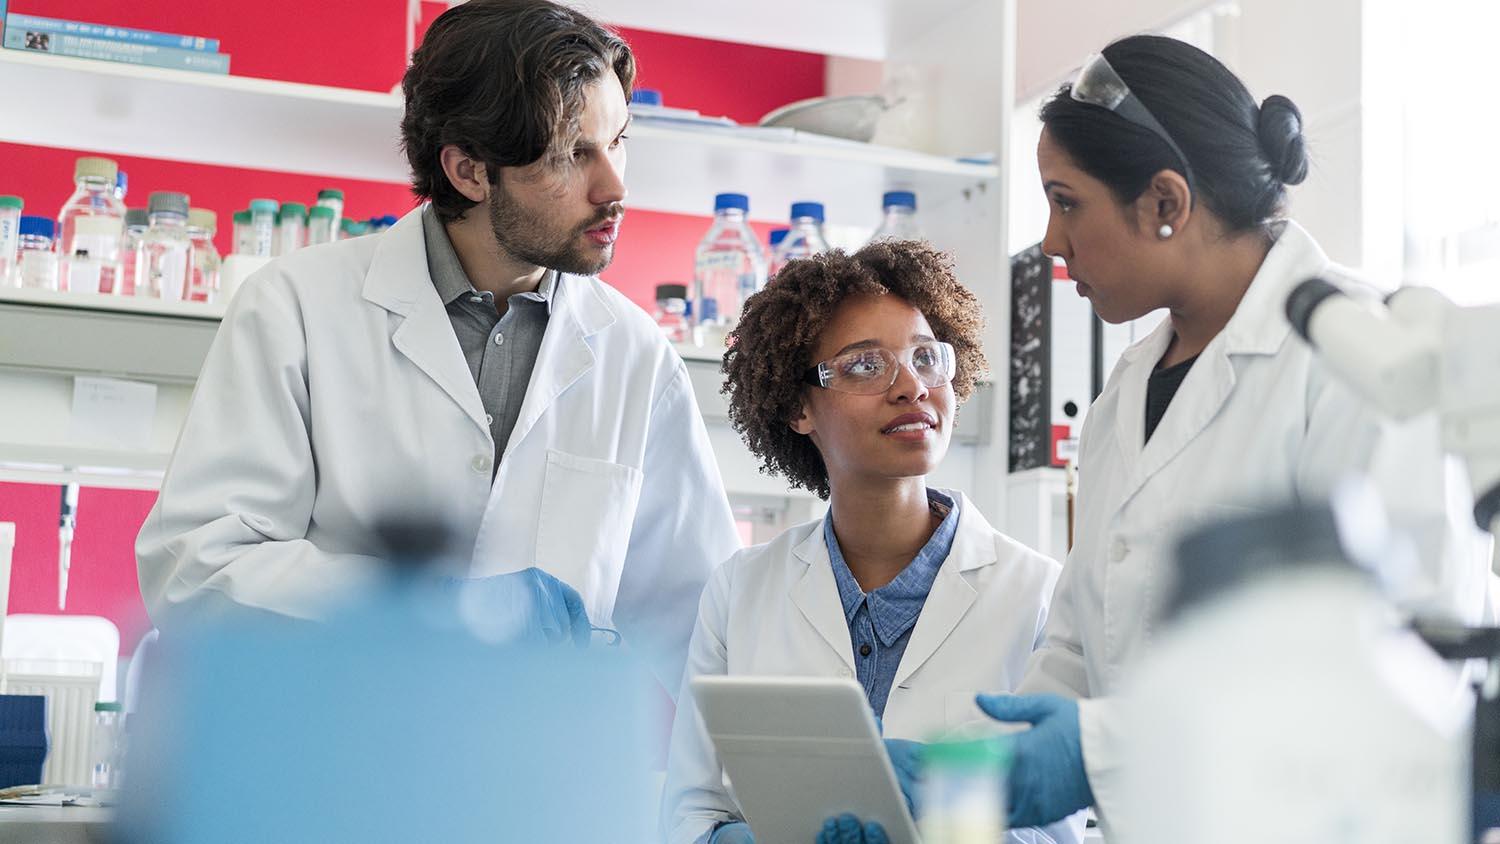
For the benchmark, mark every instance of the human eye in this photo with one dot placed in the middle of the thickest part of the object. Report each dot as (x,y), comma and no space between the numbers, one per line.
(1063,203)
(926,357)
(861,365)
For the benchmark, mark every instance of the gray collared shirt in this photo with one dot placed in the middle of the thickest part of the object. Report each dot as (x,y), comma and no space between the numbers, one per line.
(501,350)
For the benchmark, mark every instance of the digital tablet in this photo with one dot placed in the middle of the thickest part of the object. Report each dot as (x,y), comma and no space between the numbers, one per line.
(800,750)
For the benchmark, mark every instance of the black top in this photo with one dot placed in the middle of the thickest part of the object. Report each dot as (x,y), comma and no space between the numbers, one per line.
(1160,388)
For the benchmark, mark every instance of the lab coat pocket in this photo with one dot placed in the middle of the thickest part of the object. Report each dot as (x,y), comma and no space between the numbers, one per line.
(587,510)
(963,719)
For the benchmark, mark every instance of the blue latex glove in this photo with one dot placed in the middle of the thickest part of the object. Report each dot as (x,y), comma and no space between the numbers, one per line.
(543,608)
(1047,780)
(846,829)
(906,758)
(732,833)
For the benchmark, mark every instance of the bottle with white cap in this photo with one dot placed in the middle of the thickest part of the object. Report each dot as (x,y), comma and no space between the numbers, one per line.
(900,220)
(202,225)
(166,262)
(91,222)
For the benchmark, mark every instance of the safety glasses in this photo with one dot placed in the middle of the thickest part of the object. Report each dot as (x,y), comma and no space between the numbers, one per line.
(868,372)
(1099,85)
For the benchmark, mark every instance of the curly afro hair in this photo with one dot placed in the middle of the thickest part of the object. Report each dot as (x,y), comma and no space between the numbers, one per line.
(772,346)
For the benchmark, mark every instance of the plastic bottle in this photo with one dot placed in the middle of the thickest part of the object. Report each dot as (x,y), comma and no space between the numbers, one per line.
(10,237)
(805,236)
(900,221)
(332,198)
(202,225)
(671,312)
(352,228)
(122,185)
(136,223)
(107,745)
(243,234)
(36,263)
(166,262)
(94,197)
(291,228)
(320,225)
(963,791)
(728,267)
(263,227)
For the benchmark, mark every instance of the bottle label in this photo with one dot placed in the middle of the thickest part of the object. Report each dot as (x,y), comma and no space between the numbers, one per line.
(726,260)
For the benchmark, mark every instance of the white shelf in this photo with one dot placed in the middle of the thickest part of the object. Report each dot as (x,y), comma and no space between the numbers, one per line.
(260,124)
(109,302)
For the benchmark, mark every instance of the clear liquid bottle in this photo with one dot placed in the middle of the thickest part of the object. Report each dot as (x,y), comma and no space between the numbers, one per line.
(900,220)
(803,238)
(166,262)
(94,197)
(291,228)
(263,227)
(36,262)
(202,225)
(671,312)
(10,237)
(136,223)
(332,198)
(107,744)
(729,267)
(322,225)
(963,792)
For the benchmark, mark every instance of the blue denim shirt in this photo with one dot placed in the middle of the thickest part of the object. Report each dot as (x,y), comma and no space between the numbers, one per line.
(880,623)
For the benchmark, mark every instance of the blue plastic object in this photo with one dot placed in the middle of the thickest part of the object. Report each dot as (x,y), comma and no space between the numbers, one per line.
(122,183)
(43,226)
(807,209)
(725,201)
(847,829)
(777,236)
(23,739)
(732,833)
(900,199)
(645,96)
(1047,780)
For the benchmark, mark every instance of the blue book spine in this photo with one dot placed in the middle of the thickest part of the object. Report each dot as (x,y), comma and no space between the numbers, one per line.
(111,33)
(114,51)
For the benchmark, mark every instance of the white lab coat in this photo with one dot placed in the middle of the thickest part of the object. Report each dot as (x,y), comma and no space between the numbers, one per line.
(775,609)
(1257,421)
(336,394)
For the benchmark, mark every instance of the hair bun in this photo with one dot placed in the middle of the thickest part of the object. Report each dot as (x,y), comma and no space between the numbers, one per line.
(1279,129)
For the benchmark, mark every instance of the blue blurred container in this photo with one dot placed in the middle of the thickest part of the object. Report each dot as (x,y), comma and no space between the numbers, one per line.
(23,739)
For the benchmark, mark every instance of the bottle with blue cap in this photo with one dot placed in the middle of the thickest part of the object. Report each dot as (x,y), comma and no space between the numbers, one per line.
(36,262)
(803,238)
(728,268)
(900,221)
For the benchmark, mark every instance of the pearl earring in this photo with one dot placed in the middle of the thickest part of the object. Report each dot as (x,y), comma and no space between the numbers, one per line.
(1164,232)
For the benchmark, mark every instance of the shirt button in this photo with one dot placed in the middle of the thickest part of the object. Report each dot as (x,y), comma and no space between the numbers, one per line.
(476,299)
(488,419)
(1119,550)
(864,650)
(499,339)
(481,462)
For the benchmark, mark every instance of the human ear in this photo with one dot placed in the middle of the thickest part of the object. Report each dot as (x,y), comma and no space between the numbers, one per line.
(1166,204)
(467,176)
(802,423)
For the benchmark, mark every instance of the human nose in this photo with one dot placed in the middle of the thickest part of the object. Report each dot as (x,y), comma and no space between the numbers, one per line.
(907,387)
(1055,243)
(609,181)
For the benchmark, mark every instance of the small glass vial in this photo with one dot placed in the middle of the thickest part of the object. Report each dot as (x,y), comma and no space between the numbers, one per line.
(332,198)
(671,312)
(320,224)
(243,242)
(352,229)
(202,225)
(36,263)
(10,237)
(263,226)
(107,745)
(166,262)
(963,791)
(136,223)
(291,228)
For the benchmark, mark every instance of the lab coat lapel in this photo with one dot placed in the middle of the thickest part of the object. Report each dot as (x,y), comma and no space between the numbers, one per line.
(398,281)
(578,311)
(951,595)
(816,596)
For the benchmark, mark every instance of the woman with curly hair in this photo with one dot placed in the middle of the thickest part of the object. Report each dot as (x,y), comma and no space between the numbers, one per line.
(844,376)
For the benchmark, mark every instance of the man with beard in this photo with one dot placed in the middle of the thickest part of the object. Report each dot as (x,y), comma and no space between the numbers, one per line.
(465,365)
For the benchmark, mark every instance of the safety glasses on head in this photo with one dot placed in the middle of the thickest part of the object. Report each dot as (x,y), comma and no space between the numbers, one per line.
(868,372)
(1099,85)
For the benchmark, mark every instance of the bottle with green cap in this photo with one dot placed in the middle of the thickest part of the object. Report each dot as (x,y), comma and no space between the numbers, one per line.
(94,244)
(202,225)
(332,198)
(963,791)
(167,252)
(10,238)
(291,228)
(320,225)
(263,226)
(107,745)
(243,237)
(136,224)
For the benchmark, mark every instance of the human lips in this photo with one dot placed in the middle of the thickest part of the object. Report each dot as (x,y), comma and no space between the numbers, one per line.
(605,233)
(910,426)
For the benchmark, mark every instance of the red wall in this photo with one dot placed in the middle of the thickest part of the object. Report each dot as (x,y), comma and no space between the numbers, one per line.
(293,40)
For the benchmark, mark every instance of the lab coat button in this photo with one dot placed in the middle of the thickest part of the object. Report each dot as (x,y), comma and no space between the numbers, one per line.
(1119,550)
(481,462)
(488,419)
(499,339)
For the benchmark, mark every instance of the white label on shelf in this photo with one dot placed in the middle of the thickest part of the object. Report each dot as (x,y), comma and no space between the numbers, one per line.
(112,412)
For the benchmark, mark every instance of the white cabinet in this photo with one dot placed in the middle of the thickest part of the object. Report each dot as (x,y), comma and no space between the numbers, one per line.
(962,49)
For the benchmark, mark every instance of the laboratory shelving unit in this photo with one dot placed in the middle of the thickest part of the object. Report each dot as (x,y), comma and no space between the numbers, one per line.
(47,339)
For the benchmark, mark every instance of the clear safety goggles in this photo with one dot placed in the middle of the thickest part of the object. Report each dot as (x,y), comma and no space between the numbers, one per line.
(1098,84)
(868,372)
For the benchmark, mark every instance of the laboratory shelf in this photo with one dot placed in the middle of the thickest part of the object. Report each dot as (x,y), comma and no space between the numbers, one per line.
(234,121)
(109,302)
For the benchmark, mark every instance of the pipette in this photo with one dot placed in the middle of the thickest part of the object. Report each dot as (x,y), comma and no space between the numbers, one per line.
(65,541)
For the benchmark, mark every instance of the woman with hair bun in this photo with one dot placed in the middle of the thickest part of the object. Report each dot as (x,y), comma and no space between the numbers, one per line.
(1167,186)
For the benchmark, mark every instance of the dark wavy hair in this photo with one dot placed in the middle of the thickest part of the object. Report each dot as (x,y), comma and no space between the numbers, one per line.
(1243,155)
(771,347)
(503,81)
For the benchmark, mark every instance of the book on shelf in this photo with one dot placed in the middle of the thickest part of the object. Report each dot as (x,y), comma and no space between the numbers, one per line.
(60,44)
(33,23)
